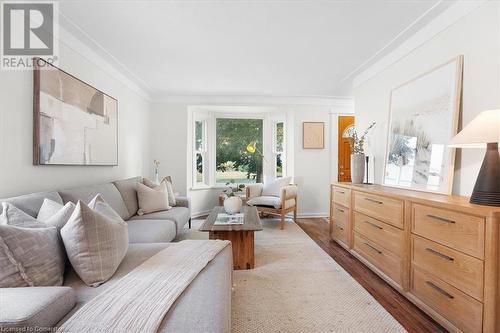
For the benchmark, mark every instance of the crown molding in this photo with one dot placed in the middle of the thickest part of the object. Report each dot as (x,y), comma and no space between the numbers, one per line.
(268,100)
(449,17)
(82,44)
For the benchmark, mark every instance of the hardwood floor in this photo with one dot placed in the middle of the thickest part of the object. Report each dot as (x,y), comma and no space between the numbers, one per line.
(408,315)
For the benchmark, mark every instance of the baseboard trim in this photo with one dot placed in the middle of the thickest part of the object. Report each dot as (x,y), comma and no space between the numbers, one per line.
(198,214)
(301,215)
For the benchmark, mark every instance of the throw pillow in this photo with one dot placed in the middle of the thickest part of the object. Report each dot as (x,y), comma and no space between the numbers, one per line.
(95,243)
(11,215)
(273,188)
(100,205)
(30,256)
(152,199)
(170,189)
(55,214)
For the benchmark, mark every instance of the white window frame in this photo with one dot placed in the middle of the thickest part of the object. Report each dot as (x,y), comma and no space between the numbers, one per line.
(203,152)
(275,148)
(209,117)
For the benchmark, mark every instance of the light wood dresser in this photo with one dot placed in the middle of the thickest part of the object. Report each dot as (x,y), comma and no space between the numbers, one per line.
(439,251)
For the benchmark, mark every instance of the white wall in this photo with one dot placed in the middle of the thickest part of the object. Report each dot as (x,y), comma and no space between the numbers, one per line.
(17,173)
(312,167)
(476,36)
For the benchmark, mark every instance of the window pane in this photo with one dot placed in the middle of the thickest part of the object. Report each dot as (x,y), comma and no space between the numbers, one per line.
(280,136)
(233,160)
(198,135)
(199,168)
(279,165)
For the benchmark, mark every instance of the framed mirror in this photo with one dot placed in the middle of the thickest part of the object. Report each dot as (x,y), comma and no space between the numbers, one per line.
(423,118)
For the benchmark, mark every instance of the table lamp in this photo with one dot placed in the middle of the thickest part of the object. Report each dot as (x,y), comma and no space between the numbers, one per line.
(484,130)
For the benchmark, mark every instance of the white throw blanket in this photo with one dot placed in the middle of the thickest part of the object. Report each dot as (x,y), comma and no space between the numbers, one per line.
(141,299)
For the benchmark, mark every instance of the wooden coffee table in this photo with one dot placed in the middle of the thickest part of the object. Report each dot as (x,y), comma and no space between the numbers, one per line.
(240,235)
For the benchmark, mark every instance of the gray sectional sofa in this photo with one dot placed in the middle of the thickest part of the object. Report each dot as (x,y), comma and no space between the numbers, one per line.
(35,308)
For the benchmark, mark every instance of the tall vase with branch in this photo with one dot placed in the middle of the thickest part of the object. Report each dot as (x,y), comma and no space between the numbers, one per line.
(357,144)
(156,165)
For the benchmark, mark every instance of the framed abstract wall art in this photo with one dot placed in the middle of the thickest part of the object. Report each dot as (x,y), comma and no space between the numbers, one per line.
(74,123)
(423,118)
(313,135)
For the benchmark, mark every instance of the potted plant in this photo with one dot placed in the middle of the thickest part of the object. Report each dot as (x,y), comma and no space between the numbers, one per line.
(233,202)
(357,144)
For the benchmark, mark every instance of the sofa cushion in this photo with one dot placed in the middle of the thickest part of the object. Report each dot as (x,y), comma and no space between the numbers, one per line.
(128,190)
(270,201)
(95,243)
(31,203)
(34,309)
(197,297)
(180,215)
(30,257)
(108,191)
(273,187)
(151,231)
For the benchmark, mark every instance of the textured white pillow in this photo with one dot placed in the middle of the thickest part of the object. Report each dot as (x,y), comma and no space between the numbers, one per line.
(12,215)
(273,188)
(95,243)
(100,205)
(55,214)
(152,199)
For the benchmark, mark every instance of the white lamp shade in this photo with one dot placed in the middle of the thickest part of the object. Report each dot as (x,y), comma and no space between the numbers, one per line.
(483,129)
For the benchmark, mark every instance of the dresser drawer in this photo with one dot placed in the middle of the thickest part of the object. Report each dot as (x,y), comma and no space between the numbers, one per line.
(460,270)
(384,260)
(459,231)
(389,237)
(339,232)
(340,214)
(461,310)
(341,196)
(379,207)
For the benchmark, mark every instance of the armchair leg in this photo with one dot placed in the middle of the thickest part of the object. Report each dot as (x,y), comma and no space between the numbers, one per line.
(282,222)
(189,222)
(295,214)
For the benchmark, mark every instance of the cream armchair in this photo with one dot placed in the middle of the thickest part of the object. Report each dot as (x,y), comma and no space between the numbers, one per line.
(275,198)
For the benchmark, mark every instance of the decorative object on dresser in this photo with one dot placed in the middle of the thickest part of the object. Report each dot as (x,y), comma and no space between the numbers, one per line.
(313,135)
(424,116)
(240,235)
(73,122)
(484,130)
(358,155)
(439,251)
(275,197)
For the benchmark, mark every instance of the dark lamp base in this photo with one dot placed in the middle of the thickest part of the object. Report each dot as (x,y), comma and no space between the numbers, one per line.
(487,189)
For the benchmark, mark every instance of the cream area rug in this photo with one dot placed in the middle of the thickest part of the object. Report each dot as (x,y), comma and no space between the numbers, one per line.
(297,287)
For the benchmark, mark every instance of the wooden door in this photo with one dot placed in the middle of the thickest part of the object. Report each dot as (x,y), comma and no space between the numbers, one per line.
(344,160)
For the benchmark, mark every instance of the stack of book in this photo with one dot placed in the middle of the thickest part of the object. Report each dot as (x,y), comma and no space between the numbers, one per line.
(226,219)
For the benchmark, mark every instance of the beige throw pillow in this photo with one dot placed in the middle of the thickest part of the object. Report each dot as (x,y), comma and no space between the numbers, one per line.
(95,242)
(170,190)
(55,214)
(152,199)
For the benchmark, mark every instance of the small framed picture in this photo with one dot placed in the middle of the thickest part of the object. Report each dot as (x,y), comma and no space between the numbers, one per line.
(313,135)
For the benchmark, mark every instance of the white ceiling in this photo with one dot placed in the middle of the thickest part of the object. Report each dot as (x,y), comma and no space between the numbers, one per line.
(275,48)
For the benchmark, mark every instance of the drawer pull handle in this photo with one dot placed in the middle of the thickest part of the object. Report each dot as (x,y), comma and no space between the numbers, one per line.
(375,201)
(433,286)
(341,192)
(442,219)
(439,254)
(374,225)
(374,249)
(340,227)
(340,210)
